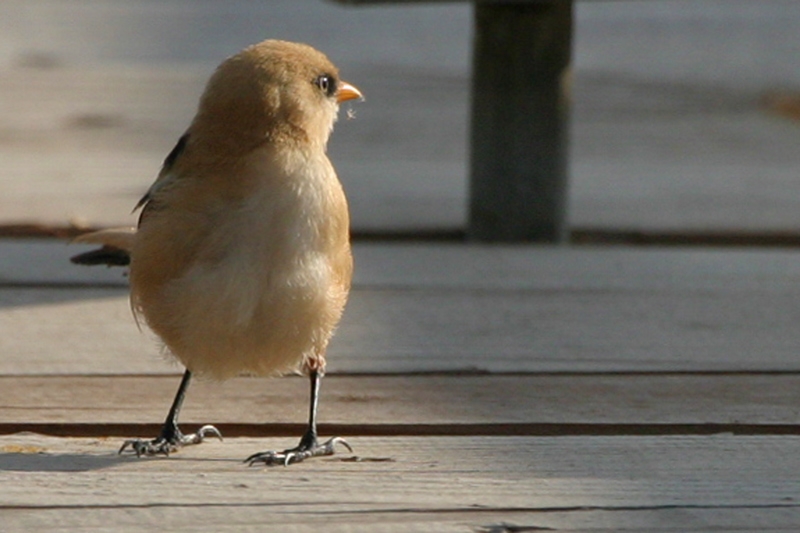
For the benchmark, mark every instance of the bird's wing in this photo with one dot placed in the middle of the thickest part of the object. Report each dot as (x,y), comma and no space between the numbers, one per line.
(116,243)
(165,177)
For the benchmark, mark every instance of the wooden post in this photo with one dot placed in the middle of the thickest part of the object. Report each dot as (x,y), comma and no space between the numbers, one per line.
(518,181)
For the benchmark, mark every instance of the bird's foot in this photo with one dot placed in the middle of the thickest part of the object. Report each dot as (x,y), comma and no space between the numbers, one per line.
(169,441)
(306,449)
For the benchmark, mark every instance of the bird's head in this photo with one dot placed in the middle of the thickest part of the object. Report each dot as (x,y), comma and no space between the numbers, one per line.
(274,92)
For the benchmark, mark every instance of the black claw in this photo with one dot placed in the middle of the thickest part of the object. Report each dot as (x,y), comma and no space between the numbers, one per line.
(302,452)
(198,436)
(169,441)
(148,447)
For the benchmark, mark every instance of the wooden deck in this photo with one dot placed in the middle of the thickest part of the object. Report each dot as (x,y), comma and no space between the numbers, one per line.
(483,389)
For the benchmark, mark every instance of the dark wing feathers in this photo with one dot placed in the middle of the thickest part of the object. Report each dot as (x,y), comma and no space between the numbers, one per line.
(169,162)
(114,256)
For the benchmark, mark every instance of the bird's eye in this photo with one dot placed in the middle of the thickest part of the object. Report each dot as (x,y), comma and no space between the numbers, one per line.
(326,84)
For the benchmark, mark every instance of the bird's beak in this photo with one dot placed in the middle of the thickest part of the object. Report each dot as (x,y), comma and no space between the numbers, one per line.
(347,92)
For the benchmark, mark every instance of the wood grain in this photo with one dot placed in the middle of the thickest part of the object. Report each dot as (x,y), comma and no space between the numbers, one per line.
(454,308)
(629,360)
(458,484)
(79,331)
(397,401)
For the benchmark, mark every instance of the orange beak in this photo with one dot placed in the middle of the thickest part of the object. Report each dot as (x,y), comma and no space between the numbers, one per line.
(347,92)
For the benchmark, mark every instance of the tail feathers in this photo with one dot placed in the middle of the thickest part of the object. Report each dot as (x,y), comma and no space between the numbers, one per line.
(115,250)
(107,255)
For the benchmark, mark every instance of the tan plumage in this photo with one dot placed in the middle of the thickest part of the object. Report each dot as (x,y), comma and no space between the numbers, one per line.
(241,261)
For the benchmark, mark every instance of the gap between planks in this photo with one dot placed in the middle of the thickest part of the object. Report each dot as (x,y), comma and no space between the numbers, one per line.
(413,430)
(414,405)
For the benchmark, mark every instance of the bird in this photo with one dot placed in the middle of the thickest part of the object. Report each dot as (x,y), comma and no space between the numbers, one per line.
(241,260)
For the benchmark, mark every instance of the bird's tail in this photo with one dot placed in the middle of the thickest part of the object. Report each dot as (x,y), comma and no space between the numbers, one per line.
(116,244)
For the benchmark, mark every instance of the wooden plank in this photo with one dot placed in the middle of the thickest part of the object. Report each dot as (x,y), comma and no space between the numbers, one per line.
(518,141)
(80,331)
(44,263)
(102,130)
(554,268)
(460,484)
(380,520)
(397,402)
(453,308)
(363,2)
(367,2)
(81,144)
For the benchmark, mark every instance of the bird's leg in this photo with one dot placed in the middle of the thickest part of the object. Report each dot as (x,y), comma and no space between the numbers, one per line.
(171,437)
(309,446)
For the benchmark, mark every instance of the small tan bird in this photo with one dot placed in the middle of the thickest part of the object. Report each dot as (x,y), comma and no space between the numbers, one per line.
(241,260)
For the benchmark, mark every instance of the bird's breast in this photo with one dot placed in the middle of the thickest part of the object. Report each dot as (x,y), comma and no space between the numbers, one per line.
(266,273)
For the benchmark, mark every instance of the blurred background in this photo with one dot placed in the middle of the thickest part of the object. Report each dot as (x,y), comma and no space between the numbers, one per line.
(686,114)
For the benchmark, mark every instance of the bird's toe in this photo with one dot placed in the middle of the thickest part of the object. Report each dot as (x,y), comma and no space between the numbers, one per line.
(200,435)
(298,454)
(169,441)
(148,447)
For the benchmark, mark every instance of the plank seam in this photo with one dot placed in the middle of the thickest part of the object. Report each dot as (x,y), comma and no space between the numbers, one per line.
(417,430)
(412,510)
